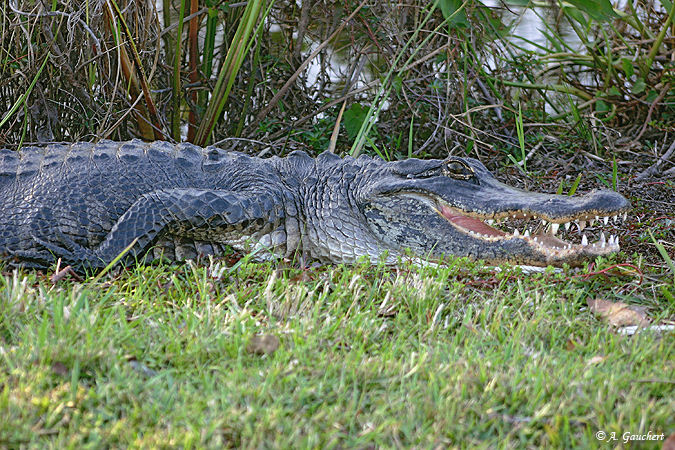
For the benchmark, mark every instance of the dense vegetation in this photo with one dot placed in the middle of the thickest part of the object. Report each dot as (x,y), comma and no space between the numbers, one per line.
(457,78)
(351,356)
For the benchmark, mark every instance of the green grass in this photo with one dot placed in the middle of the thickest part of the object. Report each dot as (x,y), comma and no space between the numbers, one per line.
(457,355)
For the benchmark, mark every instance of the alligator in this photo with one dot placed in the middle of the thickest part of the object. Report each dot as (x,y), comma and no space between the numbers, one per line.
(88,203)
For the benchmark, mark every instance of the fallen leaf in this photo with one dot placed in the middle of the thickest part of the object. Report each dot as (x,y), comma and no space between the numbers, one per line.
(59,368)
(631,330)
(669,443)
(469,326)
(618,314)
(572,343)
(263,344)
(142,368)
(304,276)
(596,360)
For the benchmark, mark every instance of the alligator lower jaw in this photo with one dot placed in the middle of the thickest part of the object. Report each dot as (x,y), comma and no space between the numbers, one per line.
(540,234)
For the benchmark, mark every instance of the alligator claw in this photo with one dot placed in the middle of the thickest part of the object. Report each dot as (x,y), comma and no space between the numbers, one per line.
(30,258)
(69,251)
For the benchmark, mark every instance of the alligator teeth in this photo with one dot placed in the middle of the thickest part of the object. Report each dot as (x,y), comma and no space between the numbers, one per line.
(584,240)
(615,218)
(603,240)
(567,226)
(625,216)
(605,220)
(516,232)
(490,222)
(543,223)
(527,233)
(581,225)
(554,228)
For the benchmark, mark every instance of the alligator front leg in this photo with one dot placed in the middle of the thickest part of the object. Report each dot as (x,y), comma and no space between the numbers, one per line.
(218,216)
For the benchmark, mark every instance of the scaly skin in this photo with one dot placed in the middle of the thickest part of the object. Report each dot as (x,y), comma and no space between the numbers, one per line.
(85,203)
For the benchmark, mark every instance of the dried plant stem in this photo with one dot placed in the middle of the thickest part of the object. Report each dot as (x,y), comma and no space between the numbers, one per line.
(193,41)
(273,103)
(176,99)
(134,79)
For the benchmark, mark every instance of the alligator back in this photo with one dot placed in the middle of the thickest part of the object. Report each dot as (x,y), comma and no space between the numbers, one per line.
(81,190)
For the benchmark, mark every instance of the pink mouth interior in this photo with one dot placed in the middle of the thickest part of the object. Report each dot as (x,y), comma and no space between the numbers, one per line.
(541,235)
(478,226)
(469,223)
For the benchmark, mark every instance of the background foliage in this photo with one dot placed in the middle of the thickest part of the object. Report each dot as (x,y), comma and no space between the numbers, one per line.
(279,72)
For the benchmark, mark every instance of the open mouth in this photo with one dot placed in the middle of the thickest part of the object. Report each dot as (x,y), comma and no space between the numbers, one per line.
(586,232)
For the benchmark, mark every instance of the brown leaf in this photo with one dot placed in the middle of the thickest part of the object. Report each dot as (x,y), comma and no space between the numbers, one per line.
(469,326)
(669,443)
(58,368)
(618,314)
(142,368)
(572,343)
(596,360)
(263,344)
(303,277)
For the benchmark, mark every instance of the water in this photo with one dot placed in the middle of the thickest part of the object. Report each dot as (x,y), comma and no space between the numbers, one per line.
(530,24)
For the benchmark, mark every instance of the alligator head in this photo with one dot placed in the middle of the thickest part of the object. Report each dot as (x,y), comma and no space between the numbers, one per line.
(455,206)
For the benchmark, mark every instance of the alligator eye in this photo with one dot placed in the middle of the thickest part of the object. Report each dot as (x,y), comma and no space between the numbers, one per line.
(458,169)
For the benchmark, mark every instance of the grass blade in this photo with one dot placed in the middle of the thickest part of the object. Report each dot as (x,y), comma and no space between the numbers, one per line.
(410,136)
(236,54)
(664,254)
(25,95)
(336,129)
(114,261)
(521,138)
(659,40)
(575,185)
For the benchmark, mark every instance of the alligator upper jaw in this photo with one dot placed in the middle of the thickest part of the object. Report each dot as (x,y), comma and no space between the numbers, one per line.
(539,232)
